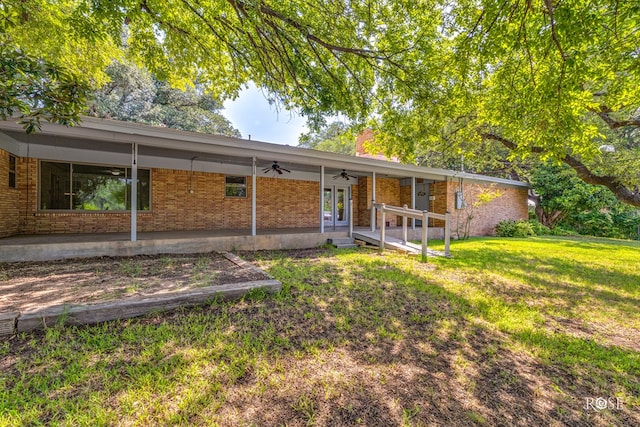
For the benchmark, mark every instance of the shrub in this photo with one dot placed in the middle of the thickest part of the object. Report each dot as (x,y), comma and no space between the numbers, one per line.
(511,228)
(540,229)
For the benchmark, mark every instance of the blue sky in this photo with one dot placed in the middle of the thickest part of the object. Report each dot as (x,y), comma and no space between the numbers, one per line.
(252,115)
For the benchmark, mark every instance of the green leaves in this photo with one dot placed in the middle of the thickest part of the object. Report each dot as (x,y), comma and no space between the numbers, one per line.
(135,95)
(36,90)
(550,78)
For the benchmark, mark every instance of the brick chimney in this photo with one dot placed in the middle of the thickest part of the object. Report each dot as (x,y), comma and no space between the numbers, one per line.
(365,136)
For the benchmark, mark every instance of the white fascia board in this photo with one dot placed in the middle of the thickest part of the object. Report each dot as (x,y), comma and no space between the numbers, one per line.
(9,144)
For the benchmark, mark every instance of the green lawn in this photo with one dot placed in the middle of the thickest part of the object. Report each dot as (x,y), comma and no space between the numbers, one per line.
(507,332)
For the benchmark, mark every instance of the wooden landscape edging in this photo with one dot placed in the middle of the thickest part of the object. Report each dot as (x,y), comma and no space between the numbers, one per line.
(79,314)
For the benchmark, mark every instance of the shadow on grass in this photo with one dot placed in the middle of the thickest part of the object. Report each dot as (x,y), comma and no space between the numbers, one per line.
(352,339)
(554,273)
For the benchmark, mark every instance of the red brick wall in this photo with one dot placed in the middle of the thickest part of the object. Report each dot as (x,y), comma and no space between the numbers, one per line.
(363,137)
(9,197)
(387,191)
(439,203)
(363,201)
(405,199)
(355,193)
(511,204)
(281,203)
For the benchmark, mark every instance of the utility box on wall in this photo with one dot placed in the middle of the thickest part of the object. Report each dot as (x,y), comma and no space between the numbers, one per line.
(459,200)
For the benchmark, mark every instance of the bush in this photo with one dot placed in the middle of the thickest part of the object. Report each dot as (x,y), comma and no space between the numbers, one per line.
(540,229)
(511,228)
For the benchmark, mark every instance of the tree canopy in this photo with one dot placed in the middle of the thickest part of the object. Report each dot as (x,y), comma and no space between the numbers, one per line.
(133,94)
(554,79)
(334,137)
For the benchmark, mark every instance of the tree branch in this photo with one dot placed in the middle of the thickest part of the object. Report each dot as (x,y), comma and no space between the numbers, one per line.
(604,113)
(554,34)
(624,194)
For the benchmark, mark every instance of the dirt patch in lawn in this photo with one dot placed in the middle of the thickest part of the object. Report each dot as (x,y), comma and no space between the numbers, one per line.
(31,285)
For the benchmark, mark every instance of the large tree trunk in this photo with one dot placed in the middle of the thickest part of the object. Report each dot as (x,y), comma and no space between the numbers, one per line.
(548,219)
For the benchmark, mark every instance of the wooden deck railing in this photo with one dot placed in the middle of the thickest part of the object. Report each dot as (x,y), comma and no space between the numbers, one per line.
(406,213)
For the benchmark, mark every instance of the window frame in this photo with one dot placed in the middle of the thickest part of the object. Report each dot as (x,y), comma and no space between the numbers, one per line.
(71,186)
(12,179)
(243,187)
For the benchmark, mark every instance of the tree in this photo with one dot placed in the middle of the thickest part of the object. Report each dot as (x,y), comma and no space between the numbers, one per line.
(559,193)
(563,199)
(335,137)
(133,94)
(558,79)
(37,90)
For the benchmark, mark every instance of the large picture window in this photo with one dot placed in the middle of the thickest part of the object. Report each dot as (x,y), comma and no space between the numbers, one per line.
(235,186)
(71,186)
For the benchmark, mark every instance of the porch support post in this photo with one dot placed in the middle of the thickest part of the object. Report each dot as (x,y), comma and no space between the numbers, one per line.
(382,228)
(134,192)
(321,198)
(373,201)
(413,200)
(351,215)
(253,196)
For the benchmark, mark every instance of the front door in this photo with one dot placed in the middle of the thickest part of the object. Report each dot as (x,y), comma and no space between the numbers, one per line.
(336,205)
(422,198)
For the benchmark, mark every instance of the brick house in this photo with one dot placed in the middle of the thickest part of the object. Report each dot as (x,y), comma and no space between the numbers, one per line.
(78,180)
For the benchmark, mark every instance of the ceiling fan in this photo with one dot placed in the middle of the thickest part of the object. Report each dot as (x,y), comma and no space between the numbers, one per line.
(344,175)
(276,169)
(113,171)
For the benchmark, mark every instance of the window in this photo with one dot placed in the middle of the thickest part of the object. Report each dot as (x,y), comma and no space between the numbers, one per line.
(71,186)
(235,186)
(12,171)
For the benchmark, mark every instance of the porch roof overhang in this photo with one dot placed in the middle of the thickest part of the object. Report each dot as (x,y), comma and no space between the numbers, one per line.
(167,142)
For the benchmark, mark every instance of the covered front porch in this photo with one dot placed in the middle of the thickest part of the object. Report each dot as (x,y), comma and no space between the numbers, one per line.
(72,181)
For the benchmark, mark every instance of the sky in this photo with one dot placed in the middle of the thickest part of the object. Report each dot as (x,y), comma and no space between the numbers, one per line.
(251,114)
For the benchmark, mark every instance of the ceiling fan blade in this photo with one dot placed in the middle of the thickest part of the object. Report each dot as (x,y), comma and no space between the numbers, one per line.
(286,170)
(279,171)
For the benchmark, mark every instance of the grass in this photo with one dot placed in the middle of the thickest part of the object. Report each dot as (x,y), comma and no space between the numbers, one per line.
(515,331)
